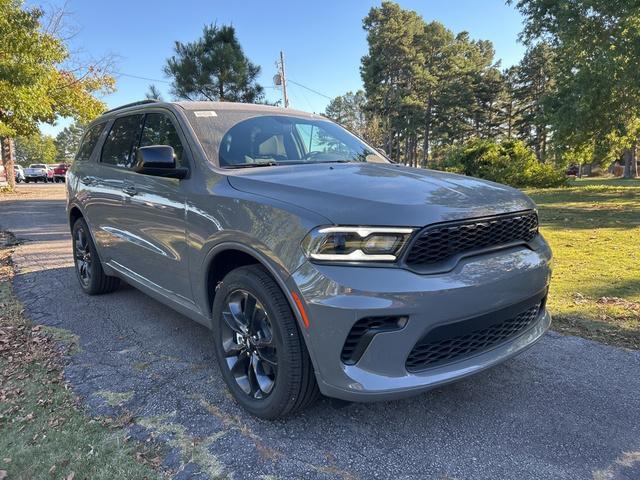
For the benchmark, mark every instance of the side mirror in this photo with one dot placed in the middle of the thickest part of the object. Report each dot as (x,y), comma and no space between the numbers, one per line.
(159,161)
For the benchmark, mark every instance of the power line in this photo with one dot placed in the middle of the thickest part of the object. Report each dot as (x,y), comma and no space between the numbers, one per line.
(310,89)
(141,78)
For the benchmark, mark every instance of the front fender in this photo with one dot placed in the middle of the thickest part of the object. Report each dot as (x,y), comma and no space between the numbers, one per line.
(270,262)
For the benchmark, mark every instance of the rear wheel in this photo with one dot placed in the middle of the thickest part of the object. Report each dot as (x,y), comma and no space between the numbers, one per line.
(89,270)
(259,347)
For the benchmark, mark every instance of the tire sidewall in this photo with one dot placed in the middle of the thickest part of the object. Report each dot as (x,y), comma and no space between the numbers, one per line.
(89,287)
(270,406)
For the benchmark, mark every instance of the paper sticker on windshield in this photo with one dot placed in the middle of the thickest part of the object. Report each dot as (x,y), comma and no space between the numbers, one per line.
(205,113)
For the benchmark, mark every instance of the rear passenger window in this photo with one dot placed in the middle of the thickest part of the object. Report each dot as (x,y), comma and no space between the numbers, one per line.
(122,138)
(159,130)
(89,141)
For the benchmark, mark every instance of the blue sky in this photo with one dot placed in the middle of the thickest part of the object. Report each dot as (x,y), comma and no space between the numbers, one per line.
(323,41)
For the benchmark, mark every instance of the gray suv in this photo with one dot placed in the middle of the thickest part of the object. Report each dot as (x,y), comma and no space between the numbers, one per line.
(318,264)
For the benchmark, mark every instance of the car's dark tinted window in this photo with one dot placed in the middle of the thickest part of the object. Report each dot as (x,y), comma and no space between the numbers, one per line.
(123,136)
(89,141)
(159,130)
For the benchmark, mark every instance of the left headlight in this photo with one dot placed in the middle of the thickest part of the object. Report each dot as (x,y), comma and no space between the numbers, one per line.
(356,244)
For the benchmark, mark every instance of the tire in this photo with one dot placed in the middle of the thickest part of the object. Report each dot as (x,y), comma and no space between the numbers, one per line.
(26,180)
(294,385)
(91,276)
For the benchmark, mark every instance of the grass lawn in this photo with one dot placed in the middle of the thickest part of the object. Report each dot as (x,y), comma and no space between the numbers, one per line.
(43,433)
(593,228)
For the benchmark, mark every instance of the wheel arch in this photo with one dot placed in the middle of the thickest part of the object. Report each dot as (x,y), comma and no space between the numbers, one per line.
(74,214)
(230,251)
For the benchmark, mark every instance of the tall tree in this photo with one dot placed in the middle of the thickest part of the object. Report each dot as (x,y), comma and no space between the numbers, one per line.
(68,142)
(214,67)
(534,87)
(391,72)
(438,50)
(153,93)
(35,148)
(428,86)
(349,111)
(468,104)
(37,81)
(597,43)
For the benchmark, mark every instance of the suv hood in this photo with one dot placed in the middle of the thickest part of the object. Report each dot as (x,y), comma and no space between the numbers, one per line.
(380,194)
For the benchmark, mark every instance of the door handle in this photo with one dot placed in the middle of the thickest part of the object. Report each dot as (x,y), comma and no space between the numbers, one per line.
(88,180)
(130,190)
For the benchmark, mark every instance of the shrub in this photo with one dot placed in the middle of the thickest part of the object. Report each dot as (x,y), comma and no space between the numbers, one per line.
(509,162)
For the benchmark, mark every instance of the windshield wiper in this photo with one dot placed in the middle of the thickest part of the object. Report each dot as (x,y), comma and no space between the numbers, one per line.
(252,165)
(336,161)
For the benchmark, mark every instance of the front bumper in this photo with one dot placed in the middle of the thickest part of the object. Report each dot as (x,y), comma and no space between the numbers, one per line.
(338,296)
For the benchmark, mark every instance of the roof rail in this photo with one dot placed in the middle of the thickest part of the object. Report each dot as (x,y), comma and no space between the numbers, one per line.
(133,104)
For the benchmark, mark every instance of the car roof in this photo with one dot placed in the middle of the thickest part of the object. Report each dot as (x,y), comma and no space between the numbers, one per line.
(242,107)
(215,106)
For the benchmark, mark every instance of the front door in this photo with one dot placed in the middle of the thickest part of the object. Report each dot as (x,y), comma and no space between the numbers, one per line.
(154,217)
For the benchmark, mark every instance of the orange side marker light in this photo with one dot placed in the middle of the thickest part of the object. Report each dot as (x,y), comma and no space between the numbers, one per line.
(301,309)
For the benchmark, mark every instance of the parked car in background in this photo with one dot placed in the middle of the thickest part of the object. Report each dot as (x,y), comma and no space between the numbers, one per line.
(318,264)
(19,173)
(572,170)
(37,172)
(3,176)
(60,172)
(50,174)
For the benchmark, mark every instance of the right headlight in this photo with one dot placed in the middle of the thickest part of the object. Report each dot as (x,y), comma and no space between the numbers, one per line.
(356,244)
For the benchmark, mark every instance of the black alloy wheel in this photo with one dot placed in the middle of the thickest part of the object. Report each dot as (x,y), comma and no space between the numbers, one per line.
(248,343)
(260,349)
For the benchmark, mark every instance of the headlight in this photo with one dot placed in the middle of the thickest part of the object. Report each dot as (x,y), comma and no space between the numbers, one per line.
(356,244)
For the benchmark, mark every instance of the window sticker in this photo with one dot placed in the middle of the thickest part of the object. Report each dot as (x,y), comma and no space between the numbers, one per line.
(205,113)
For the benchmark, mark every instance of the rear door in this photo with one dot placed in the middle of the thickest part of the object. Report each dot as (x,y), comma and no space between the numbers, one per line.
(154,215)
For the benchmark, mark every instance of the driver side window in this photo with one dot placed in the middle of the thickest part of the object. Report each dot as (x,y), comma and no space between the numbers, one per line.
(159,130)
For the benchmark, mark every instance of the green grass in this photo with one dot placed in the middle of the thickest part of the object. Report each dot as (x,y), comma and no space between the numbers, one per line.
(43,432)
(593,227)
(44,435)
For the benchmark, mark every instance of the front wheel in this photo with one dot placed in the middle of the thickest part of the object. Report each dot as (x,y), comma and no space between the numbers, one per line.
(259,347)
(89,270)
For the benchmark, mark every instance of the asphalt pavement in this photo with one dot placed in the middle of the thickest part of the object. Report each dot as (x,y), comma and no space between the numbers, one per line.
(568,408)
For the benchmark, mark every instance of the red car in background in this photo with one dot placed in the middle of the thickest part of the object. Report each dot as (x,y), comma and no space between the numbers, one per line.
(60,172)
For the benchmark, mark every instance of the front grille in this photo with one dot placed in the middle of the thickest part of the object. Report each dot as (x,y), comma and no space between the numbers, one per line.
(363,332)
(437,243)
(452,342)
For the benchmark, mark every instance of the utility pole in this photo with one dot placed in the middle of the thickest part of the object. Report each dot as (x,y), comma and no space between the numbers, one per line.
(283,79)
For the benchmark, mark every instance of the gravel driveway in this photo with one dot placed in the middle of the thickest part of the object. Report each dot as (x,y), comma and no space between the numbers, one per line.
(567,408)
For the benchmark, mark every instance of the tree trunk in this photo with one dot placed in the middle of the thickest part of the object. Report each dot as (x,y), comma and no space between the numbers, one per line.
(631,161)
(509,120)
(427,133)
(8,159)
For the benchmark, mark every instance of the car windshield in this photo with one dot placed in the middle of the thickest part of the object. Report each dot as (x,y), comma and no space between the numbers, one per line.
(253,141)
(37,165)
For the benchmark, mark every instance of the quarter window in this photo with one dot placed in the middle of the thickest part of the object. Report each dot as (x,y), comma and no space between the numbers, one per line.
(159,130)
(119,146)
(89,141)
